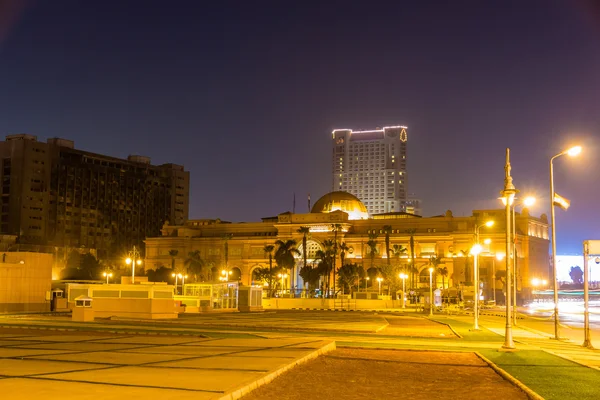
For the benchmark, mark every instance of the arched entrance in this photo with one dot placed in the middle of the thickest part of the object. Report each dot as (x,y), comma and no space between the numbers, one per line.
(236,274)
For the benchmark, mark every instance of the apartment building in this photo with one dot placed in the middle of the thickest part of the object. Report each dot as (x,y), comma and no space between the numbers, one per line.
(56,195)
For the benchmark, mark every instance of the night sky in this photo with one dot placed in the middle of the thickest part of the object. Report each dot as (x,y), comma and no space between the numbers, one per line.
(245,94)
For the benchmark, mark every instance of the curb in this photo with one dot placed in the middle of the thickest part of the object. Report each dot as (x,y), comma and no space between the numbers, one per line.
(530,393)
(123,331)
(238,393)
(458,335)
(342,310)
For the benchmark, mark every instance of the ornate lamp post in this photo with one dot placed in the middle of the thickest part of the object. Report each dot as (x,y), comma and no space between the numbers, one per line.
(107,275)
(431,291)
(133,260)
(508,195)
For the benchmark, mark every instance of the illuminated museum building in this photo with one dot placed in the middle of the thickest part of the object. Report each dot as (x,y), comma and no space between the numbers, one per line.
(445,235)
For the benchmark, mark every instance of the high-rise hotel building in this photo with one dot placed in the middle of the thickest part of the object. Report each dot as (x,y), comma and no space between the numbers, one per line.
(371,165)
(55,195)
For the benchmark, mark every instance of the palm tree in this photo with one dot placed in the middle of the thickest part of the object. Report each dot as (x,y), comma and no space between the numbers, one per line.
(325,258)
(305,231)
(195,264)
(343,249)
(387,229)
(335,228)
(465,254)
(372,243)
(285,256)
(310,276)
(398,250)
(226,237)
(269,250)
(412,232)
(434,261)
(173,253)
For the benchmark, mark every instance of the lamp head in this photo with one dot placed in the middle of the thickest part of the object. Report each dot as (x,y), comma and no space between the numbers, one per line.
(430,270)
(489,223)
(128,261)
(139,262)
(487,241)
(173,275)
(535,282)
(104,274)
(499,256)
(574,151)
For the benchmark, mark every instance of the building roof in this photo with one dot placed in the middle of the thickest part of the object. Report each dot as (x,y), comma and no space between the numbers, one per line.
(342,201)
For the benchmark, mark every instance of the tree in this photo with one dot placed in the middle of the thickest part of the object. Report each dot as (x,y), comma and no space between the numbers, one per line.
(343,249)
(284,256)
(325,258)
(398,250)
(434,261)
(576,275)
(269,250)
(412,232)
(335,228)
(226,237)
(310,276)
(162,274)
(305,231)
(443,271)
(89,266)
(348,276)
(372,244)
(173,253)
(195,265)
(465,254)
(387,229)
(263,274)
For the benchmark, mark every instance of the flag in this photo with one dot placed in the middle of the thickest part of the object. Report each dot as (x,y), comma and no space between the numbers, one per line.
(309,202)
(561,201)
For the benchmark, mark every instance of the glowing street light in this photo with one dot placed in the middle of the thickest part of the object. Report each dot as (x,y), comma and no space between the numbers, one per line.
(366,281)
(431,291)
(475,251)
(573,151)
(133,259)
(379,279)
(403,276)
(107,275)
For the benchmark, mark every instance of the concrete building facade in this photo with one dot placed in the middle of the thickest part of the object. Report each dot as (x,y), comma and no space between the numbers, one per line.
(371,165)
(444,236)
(56,195)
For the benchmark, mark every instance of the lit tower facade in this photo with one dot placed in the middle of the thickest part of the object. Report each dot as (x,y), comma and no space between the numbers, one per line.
(371,165)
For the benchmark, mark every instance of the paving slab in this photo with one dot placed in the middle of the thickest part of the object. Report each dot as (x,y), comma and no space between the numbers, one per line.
(12,352)
(109,357)
(79,346)
(57,390)
(254,342)
(190,350)
(162,340)
(281,353)
(190,379)
(234,363)
(12,367)
(62,338)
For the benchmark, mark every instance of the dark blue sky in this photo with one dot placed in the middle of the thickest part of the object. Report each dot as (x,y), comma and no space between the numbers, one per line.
(245,94)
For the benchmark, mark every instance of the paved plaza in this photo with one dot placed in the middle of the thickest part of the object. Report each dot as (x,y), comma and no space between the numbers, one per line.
(89,366)
(215,356)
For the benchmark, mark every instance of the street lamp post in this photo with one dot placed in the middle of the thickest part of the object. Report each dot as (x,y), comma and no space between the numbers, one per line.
(508,195)
(527,202)
(366,281)
(133,259)
(379,279)
(107,275)
(476,250)
(182,277)
(403,276)
(573,151)
(431,291)
(176,286)
(282,277)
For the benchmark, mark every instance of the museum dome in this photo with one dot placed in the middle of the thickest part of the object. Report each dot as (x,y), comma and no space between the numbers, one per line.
(342,201)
